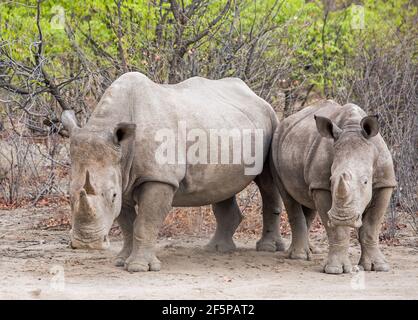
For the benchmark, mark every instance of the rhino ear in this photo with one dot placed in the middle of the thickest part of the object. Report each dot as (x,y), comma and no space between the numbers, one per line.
(327,128)
(369,126)
(124,131)
(69,121)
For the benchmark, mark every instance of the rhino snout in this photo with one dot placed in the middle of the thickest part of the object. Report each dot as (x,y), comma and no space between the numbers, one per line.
(335,220)
(100,244)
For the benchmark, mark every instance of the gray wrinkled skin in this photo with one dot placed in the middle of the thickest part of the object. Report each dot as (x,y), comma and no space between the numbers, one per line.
(115,174)
(331,159)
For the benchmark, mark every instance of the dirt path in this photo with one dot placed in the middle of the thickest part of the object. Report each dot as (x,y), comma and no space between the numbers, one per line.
(37,264)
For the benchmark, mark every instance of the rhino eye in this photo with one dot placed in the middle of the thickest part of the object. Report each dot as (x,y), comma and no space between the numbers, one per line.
(364,180)
(114,197)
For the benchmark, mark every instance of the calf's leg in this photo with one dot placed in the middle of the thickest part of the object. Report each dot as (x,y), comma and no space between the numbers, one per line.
(372,258)
(310,215)
(338,237)
(299,248)
(271,239)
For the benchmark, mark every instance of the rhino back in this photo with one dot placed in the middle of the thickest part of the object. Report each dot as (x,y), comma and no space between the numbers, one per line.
(303,158)
(196,103)
(295,143)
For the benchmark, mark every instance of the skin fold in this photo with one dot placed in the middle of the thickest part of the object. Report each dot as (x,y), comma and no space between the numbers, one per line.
(115,174)
(331,159)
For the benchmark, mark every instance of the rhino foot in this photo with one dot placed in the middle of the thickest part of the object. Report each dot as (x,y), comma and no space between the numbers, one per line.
(299,253)
(121,257)
(373,260)
(142,263)
(337,264)
(270,245)
(220,245)
(119,261)
(375,266)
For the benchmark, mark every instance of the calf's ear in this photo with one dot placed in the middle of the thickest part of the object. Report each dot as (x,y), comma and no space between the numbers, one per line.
(327,128)
(369,126)
(69,121)
(124,131)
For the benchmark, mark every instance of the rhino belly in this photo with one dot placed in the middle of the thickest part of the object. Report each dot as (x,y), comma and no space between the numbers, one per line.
(208,184)
(299,191)
(291,172)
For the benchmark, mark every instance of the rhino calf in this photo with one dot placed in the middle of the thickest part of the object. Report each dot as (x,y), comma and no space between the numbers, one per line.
(116,173)
(331,159)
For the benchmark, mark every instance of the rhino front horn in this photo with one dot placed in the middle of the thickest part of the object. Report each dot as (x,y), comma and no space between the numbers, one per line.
(88,186)
(85,207)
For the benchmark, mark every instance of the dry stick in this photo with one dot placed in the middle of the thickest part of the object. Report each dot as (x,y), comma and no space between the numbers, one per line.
(249,199)
(53,89)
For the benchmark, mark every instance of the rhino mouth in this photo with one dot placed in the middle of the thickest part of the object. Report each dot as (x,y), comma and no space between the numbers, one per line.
(352,220)
(98,244)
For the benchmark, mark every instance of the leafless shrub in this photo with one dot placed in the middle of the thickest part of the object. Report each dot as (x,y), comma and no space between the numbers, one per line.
(182,40)
(31,163)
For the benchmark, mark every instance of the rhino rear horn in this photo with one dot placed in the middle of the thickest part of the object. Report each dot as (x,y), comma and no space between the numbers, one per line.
(88,186)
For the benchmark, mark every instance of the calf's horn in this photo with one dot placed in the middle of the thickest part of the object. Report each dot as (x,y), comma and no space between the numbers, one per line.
(342,189)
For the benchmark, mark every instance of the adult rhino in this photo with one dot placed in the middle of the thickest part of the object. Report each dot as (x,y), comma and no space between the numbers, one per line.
(331,159)
(116,174)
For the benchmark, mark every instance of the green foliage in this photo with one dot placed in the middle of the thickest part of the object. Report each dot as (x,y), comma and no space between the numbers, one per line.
(321,43)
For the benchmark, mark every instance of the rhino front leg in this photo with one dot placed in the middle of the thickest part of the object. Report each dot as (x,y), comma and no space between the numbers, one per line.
(228,217)
(372,258)
(153,201)
(338,237)
(271,239)
(126,221)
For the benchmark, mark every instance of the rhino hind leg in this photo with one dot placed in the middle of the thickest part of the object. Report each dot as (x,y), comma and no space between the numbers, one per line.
(271,239)
(299,247)
(372,258)
(125,220)
(310,215)
(228,217)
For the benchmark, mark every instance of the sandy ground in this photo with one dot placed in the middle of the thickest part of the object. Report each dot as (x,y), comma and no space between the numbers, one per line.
(37,264)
